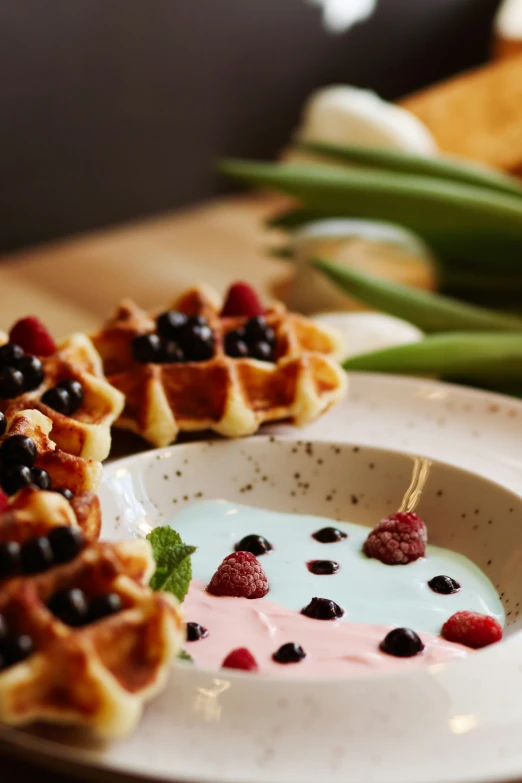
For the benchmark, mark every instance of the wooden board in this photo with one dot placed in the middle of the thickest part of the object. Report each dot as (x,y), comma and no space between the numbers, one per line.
(76,283)
(478,114)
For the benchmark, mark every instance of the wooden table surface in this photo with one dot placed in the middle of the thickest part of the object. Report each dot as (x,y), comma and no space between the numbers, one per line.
(74,284)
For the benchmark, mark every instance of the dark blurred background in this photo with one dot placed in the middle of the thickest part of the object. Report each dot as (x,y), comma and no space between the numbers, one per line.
(115,109)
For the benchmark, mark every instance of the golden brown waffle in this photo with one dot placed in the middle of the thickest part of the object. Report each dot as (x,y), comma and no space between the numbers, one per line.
(232,396)
(85,433)
(32,513)
(97,675)
(66,470)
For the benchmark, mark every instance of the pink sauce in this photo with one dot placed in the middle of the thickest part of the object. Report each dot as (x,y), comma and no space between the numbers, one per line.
(334,648)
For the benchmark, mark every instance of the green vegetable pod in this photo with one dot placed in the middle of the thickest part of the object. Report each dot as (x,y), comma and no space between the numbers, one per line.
(429,311)
(481,357)
(437,166)
(477,226)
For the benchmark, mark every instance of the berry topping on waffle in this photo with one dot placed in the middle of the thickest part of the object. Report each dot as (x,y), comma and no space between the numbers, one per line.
(96,642)
(195,367)
(64,381)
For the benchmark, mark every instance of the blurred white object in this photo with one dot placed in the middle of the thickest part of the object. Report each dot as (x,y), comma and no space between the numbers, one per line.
(339,15)
(348,115)
(383,249)
(366,332)
(508,26)
(509,19)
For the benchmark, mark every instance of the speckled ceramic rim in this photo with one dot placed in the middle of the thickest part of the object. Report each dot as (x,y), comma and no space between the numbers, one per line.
(454,699)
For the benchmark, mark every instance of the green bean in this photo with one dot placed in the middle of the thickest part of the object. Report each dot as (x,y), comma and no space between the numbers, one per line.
(478,356)
(477,226)
(430,312)
(440,167)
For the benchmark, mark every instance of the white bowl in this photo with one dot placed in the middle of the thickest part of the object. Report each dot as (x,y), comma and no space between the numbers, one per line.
(445,723)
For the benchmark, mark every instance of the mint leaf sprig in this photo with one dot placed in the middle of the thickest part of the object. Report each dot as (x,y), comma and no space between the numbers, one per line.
(173,565)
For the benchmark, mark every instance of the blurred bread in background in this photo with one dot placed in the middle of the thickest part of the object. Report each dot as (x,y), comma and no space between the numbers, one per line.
(477,114)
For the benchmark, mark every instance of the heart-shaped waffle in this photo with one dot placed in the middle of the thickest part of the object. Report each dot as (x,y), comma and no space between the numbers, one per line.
(33,512)
(66,470)
(232,396)
(98,674)
(86,432)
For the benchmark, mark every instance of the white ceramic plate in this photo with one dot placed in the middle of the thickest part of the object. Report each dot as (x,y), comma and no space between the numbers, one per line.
(448,724)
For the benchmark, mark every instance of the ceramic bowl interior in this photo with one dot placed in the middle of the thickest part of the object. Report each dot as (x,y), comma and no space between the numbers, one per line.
(463,511)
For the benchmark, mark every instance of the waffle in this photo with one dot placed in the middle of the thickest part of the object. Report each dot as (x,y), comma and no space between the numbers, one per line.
(231,396)
(66,470)
(87,432)
(96,675)
(33,513)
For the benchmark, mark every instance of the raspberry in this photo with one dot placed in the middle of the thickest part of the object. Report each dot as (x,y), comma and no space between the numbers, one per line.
(240,575)
(240,659)
(242,300)
(472,629)
(4,502)
(31,335)
(397,540)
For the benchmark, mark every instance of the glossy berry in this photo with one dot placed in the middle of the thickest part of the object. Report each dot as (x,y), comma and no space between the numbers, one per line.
(68,495)
(66,543)
(3,424)
(31,334)
(18,450)
(257,330)
(261,351)
(195,632)
(146,348)
(40,478)
(57,399)
(472,629)
(11,382)
(322,567)
(15,649)
(10,562)
(235,345)
(103,606)
(171,323)
(398,539)
(329,535)
(322,609)
(36,555)
(240,575)
(291,652)
(10,354)
(196,320)
(75,391)
(257,545)
(32,369)
(70,606)
(241,300)
(402,643)
(444,585)
(15,478)
(240,659)
(197,343)
(171,353)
